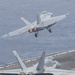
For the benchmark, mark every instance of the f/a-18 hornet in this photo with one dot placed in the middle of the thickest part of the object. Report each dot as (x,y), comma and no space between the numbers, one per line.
(37,69)
(44,21)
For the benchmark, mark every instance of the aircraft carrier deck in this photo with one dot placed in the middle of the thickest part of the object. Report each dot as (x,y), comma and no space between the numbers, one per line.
(66,59)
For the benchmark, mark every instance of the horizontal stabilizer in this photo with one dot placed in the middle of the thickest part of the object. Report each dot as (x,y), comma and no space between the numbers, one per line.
(22,65)
(25,21)
(40,66)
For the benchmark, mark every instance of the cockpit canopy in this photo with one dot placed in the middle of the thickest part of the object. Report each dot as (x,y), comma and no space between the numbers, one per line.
(45,15)
(46,12)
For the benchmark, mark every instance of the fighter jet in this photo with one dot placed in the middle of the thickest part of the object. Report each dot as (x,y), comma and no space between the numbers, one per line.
(45,20)
(38,69)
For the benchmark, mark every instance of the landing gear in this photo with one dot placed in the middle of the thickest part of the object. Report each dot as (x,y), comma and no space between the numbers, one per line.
(50,30)
(36,34)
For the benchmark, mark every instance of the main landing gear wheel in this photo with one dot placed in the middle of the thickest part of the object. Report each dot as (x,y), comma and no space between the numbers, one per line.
(36,35)
(50,30)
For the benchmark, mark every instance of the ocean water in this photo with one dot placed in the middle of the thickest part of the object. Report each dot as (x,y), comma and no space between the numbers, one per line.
(61,39)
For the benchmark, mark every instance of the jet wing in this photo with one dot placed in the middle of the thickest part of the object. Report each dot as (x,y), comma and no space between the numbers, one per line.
(21,30)
(17,32)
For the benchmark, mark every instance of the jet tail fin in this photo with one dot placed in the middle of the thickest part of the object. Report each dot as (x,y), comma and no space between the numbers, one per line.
(25,21)
(40,66)
(38,19)
(22,65)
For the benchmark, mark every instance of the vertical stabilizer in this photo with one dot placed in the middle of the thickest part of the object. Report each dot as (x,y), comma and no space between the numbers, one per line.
(22,65)
(40,66)
(38,19)
(25,21)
